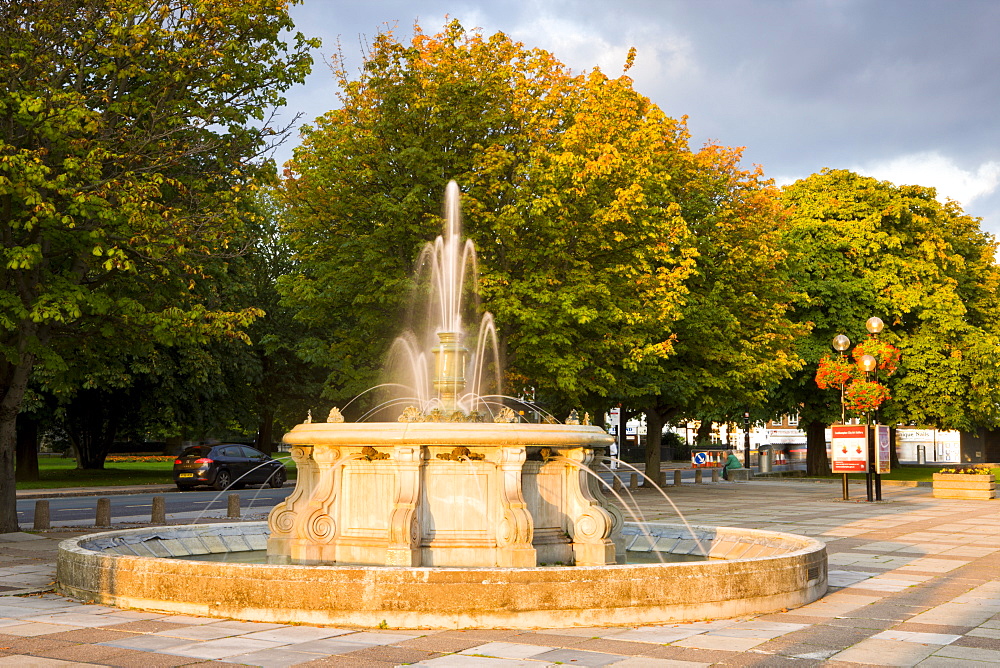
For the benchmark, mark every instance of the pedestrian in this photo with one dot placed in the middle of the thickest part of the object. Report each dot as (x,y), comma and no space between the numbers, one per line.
(732,462)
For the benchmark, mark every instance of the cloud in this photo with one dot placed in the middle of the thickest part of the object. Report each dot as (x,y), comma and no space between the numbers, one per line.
(932,169)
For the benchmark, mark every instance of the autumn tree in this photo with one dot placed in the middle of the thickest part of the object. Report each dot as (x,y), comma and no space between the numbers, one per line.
(128,132)
(863,248)
(735,335)
(566,193)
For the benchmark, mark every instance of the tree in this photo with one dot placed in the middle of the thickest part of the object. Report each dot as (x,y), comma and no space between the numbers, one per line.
(864,247)
(566,194)
(129,132)
(734,338)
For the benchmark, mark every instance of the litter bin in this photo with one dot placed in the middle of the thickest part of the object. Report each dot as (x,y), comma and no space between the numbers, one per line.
(766,453)
(921,454)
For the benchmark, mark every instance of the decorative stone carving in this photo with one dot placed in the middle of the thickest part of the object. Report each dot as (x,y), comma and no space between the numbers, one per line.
(574,417)
(505,415)
(370,454)
(461,453)
(412,414)
(335,416)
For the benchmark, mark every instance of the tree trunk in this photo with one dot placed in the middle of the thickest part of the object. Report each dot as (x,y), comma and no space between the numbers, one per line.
(654,436)
(27,448)
(704,434)
(92,419)
(265,431)
(817,462)
(15,381)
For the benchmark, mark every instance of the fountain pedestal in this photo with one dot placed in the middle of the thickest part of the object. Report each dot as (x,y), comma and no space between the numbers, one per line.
(445,494)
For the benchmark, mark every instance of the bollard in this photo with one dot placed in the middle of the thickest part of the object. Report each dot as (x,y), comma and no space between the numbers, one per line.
(715,475)
(616,483)
(633,481)
(41,515)
(677,478)
(663,478)
(103,518)
(234,506)
(159,514)
(697,476)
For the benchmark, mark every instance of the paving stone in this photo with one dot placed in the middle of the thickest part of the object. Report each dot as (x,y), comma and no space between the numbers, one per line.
(146,626)
(130,658)
(89,635)
(437,643)
(548,639)
(728,644)
(578,658)
(393,654)
(221,648)
(98,654)
(507,650)
(296,634)
(957,651)
(461,661)
(18,661)
(885,652)
(982,642)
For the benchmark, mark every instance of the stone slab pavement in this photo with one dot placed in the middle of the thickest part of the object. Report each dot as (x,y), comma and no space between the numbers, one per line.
(913,583)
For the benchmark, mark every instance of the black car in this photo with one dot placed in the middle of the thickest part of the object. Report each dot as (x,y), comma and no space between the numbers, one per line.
(226,466)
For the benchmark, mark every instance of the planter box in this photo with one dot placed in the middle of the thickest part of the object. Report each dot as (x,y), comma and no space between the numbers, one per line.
(964,486)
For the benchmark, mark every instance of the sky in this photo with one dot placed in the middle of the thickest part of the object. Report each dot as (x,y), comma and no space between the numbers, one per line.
(903,90)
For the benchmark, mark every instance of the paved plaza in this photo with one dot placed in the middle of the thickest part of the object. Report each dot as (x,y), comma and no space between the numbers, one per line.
(913,583)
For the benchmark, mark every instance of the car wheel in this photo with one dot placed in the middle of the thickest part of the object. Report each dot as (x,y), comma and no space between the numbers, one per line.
(277,479)
(222,481)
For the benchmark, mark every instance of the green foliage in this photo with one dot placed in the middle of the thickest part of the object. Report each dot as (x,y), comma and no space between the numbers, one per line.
(864,247)
(130,134)
(567,194)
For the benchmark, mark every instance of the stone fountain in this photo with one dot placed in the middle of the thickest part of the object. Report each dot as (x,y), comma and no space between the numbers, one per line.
(454,515)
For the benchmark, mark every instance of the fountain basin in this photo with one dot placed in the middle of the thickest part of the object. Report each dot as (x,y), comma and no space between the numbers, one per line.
(748,572)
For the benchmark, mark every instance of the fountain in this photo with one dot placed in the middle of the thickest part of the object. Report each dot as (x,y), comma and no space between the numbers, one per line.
(454,515)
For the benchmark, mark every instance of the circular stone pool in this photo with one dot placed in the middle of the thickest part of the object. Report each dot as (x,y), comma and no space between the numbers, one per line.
(748,571)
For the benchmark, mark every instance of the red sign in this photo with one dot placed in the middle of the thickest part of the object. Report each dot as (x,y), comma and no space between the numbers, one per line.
(849,448)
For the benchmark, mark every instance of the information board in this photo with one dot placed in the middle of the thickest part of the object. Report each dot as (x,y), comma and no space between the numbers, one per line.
(849,448)
(883,451)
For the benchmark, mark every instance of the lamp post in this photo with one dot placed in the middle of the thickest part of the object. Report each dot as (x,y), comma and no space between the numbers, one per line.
(868,364)
(874,325)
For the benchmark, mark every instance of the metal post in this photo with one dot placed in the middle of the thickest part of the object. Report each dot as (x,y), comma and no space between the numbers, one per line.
(746,439)
(871,461)
(847,493)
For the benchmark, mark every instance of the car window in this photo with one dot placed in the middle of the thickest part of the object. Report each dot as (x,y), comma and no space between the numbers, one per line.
(232,451)
(196,451)
(253,453)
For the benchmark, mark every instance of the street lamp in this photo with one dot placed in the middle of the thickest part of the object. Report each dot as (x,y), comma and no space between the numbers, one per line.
(874,325)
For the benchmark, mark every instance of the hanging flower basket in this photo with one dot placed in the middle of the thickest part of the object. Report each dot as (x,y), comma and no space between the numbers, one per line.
(865,395)
(833,373)
(885,354)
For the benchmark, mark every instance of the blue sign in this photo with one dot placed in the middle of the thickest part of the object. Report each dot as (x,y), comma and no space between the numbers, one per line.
(700,458)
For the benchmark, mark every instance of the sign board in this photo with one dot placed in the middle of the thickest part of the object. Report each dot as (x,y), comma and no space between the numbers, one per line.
(710,459)
(883,451)
(849,448)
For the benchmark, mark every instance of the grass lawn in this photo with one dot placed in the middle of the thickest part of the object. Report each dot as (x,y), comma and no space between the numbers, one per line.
(58,472)
(911,473)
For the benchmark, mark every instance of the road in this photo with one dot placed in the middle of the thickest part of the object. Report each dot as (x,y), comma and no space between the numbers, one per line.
(137,507)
